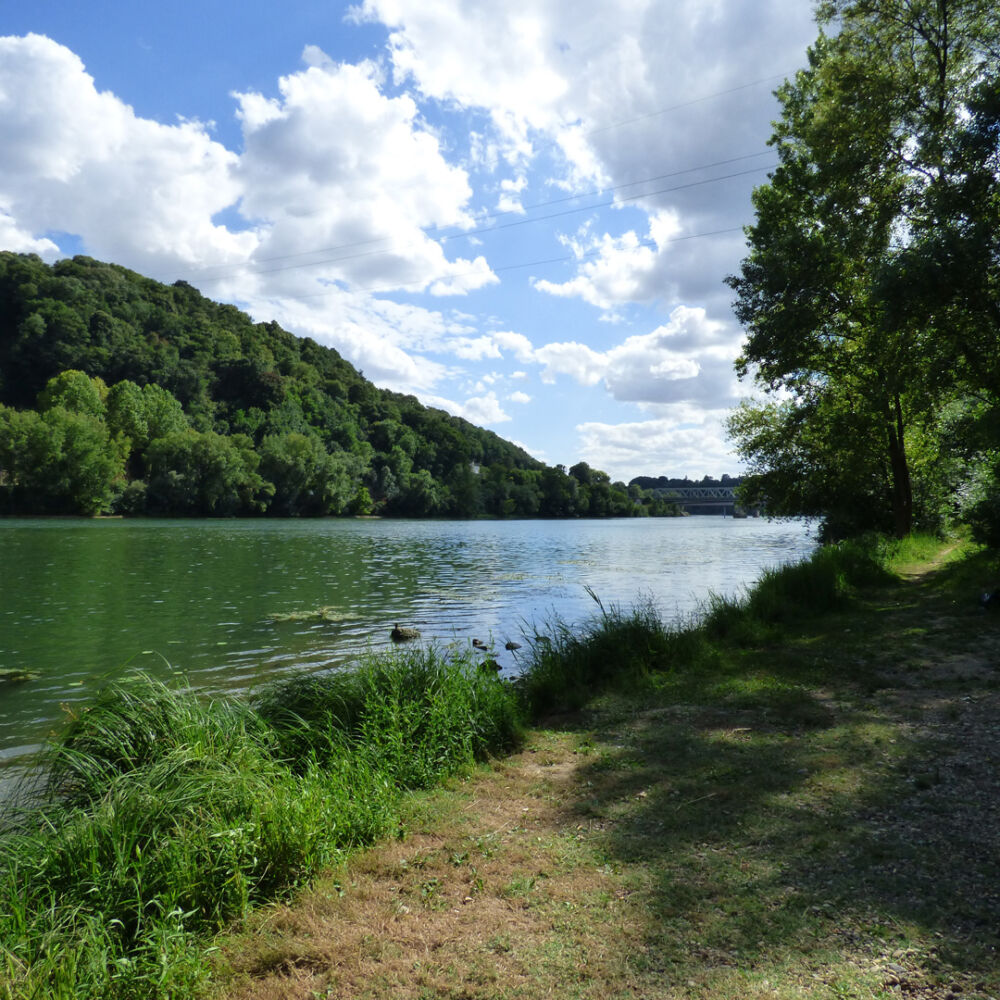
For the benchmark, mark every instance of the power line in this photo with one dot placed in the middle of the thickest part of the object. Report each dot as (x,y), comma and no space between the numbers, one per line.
(555,201)
(687,104)
(249,269)
(493,216)
(646,243)
(507,225)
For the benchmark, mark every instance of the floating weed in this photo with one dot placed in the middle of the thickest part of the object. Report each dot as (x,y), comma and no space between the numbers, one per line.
(326,613)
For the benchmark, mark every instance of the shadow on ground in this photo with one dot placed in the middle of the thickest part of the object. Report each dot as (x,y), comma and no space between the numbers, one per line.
(851,826)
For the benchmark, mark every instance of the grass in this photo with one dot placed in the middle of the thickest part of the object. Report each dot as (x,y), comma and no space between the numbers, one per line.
(748,806)
(163,815)
(804,807)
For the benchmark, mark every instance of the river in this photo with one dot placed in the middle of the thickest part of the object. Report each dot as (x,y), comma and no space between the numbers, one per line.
(228,604)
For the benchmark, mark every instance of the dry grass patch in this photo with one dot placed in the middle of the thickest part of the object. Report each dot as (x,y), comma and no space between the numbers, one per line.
(490,891)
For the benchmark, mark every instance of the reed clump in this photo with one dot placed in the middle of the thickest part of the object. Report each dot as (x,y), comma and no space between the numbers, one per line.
(825,582)
(627,648)
(163,815)
(418,714)
(569,664)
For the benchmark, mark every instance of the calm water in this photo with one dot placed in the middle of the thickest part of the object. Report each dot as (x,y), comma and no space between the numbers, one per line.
(229,604)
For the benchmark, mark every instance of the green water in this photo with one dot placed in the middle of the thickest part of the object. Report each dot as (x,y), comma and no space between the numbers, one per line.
(230,604)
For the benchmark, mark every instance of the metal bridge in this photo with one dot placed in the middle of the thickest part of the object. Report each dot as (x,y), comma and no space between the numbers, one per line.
(703,499)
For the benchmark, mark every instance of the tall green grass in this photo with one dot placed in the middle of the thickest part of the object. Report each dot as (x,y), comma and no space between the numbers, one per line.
(568,665)
(164,814)
(622,647)
(418,715)
(825,582)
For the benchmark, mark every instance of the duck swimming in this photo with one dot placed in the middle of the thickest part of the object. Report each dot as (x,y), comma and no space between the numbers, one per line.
(402,633)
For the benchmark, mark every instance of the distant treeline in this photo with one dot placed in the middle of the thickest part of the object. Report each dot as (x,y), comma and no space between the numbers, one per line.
(119,394)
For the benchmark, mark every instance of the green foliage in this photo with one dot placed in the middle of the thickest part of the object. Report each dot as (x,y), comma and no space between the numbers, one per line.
(164,815)
(214,414)
(824,583)
(416,712)
(869,293)
(57,462)
(568,666)
(76,392)
(799,464)
(361,503)
(981,501)
(204,473)
(307,479)
(142,414)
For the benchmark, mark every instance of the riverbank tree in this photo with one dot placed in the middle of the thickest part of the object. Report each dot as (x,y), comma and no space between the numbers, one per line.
(869,293)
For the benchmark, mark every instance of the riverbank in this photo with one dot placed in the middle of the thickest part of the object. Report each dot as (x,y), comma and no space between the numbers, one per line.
(229,605)
(817,814)
(797,792)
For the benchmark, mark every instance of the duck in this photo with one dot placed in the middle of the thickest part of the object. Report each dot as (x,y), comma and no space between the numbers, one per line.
(402,633)
(511,645)
(490,664)
(478,644)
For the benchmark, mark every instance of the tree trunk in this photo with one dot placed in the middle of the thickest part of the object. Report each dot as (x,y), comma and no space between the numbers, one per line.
(902,491)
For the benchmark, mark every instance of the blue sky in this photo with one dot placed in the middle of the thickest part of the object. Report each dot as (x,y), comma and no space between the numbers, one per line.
(520,212)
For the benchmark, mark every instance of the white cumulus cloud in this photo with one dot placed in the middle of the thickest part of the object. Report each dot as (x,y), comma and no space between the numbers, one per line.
(613,270)
(670,445)
(483,410)
(334,163)
(689,358)
(78,160)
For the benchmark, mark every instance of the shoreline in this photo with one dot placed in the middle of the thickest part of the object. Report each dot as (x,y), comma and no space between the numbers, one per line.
(618,777)
(826,835)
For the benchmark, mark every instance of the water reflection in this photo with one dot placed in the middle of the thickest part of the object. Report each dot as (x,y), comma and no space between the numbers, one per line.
(229,604)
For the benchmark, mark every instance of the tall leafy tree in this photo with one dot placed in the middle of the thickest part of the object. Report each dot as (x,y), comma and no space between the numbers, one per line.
(205,473)
(75,391)
(57,462)
(839,321)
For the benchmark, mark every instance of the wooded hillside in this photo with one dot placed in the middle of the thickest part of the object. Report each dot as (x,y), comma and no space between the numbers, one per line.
(122,394)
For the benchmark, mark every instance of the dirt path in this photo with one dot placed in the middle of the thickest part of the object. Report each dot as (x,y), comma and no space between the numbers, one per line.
(468,902)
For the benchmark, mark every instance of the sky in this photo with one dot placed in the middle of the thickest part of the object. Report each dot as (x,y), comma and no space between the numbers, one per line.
(522,212)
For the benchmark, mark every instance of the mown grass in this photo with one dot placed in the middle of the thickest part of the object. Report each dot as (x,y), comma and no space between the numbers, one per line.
(164,815)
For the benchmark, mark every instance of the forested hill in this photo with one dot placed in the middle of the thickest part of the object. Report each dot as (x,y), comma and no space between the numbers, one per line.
(122,394)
